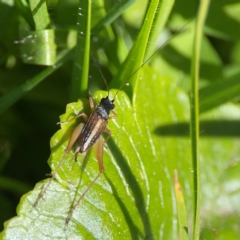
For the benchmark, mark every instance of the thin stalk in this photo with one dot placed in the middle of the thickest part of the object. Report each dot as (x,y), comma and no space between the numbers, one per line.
(194,125)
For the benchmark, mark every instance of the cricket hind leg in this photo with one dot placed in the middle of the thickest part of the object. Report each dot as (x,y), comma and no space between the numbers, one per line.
(72,140)
(53,175)
(98,148)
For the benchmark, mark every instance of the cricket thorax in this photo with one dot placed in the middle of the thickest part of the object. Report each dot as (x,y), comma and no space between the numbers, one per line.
(104,108)
(103,112)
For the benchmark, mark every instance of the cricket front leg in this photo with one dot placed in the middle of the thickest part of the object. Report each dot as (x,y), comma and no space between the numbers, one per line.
(109,132)
(84,115)
(114,116)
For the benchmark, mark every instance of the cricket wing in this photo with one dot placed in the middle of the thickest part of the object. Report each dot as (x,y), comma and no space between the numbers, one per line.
(92,131)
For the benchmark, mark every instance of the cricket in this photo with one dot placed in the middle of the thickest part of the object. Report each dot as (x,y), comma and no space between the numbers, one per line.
(88,135)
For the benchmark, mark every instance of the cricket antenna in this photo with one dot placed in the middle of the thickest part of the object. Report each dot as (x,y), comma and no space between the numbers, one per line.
(173,36)
(104,79)
(147,60)
(162,46)
(127,84)
(96,64)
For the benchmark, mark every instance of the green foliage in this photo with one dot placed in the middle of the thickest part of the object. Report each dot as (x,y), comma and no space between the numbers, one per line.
(134,198)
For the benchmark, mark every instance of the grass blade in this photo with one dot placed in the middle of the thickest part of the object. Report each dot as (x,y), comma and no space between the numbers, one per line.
(129,69)
(79,84)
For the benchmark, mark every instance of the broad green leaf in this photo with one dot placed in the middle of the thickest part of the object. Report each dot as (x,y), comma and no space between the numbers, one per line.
(134,198)
(219,130)
(131,199)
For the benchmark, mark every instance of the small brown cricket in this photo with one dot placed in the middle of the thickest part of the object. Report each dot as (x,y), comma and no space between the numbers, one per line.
(87,135)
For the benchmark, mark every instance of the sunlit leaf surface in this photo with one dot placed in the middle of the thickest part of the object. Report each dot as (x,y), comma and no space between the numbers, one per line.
(134,198)
(131,199)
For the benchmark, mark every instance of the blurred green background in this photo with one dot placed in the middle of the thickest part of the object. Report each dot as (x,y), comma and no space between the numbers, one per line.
(27,125)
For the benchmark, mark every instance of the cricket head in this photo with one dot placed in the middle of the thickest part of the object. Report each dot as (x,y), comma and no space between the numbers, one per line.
(107,103)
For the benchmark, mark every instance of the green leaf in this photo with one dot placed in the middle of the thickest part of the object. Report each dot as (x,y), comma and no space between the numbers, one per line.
(140,172)
(134,191)
(134,198)
(40,14)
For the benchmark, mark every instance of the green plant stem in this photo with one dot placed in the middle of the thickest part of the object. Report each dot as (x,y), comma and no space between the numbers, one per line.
(194,125)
